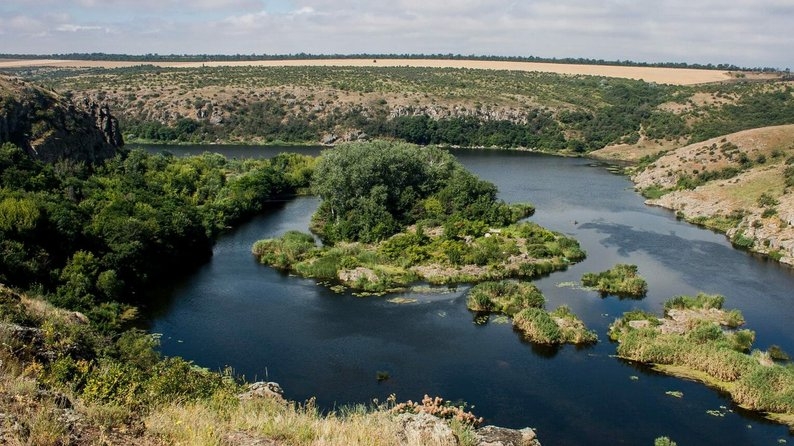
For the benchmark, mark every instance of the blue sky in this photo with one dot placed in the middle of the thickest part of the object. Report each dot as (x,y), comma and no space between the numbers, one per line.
(742,32)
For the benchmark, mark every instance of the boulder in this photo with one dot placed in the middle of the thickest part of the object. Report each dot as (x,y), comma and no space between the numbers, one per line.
(263,389)
(500,436)
(425,429)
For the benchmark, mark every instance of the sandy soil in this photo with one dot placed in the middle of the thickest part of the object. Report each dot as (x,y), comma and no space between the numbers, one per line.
(676,76)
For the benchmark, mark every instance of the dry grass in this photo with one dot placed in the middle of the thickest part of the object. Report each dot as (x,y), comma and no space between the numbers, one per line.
(268,420)
(675,76)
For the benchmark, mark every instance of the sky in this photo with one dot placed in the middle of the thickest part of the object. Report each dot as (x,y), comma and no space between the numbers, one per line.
(747,33)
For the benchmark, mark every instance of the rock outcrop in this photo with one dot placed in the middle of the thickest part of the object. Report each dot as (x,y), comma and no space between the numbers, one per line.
(500,436)
(263,389)
(50,127)
(425,429)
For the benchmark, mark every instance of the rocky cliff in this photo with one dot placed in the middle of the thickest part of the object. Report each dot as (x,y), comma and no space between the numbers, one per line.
(50,127)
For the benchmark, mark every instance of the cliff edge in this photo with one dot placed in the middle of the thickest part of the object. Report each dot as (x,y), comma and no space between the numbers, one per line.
(50,127)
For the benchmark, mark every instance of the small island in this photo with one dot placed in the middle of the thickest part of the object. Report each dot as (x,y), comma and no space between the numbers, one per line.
(394,213)
(524,303)
(698,339)
(622,280)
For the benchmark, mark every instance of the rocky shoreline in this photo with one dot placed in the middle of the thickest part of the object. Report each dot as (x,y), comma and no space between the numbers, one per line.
(735,184)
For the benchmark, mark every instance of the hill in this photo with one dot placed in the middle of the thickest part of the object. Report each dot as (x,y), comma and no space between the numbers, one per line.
(741,184)
(561,113)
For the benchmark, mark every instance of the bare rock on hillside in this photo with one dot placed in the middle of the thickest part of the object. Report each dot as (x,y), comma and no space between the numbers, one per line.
(263,389)
(425,429)
(500,436)
(50,127)
(725,178)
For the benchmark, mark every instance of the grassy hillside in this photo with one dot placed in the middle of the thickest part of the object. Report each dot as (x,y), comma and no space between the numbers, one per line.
(741,184)
(468,107)
(62,382)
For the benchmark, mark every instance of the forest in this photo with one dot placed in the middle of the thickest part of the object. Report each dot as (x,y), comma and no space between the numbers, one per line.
(92,237)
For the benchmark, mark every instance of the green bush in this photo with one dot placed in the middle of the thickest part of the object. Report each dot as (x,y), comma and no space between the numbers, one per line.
(700,301)
(285,251)
(621,280)
(506,297)
(537,326)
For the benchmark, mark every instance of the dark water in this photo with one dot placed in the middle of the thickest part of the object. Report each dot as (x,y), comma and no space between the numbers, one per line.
(314,342)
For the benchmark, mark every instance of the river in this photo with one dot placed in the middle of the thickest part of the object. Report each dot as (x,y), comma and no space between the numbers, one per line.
(268,325)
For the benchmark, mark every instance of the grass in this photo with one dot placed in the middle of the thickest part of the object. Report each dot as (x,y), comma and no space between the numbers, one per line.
(704,351)
(505,297)
(560,326)
(118,403)
(621,280)
(522,250)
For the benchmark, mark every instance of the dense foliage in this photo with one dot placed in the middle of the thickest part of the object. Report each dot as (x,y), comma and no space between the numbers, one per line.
(394,213)
(90,237)
(371,191)
(504,297)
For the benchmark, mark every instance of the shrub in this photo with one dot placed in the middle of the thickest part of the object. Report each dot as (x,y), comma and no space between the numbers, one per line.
(701,301)
(505,297)
(537,326)
(285,251)
(621,280)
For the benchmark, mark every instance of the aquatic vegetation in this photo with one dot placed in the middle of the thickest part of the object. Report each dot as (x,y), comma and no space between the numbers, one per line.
(621,280)
(697,339)
(557,327)
(506,297)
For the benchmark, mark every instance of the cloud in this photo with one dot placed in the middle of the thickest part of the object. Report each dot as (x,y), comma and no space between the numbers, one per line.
(79,28)
(744,32)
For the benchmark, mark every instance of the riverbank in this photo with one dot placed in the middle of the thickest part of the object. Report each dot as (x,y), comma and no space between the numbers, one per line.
(738,184)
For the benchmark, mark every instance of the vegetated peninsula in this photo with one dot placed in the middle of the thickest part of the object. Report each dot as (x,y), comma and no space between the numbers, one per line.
(395,213)
(698,339)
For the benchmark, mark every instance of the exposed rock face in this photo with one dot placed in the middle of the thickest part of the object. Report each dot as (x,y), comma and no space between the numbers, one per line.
(263,389)
(425,429)
(50,128)
(500,436)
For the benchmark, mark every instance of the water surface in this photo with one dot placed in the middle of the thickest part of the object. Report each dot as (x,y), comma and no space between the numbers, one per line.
(268,325)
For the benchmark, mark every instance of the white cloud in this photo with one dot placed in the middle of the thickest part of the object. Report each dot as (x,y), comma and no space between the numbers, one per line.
(744,32)
(79,28)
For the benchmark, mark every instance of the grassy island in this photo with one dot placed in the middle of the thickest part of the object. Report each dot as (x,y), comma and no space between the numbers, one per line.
(698,339)
(393,214)
(524,303)
(622,280)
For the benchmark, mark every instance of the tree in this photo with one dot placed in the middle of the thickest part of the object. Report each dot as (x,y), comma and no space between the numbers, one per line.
(372,190)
